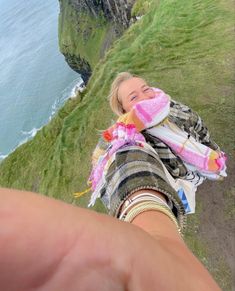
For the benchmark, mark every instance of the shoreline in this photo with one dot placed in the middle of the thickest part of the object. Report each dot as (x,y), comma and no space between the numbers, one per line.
(28,135)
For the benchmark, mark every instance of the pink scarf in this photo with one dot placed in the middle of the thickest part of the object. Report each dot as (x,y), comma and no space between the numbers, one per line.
(152,115)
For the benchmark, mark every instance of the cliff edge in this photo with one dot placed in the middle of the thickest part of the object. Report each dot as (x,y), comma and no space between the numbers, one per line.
(184,47)
(87,29)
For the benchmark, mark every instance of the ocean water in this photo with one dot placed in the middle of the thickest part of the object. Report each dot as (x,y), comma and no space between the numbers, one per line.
(35,80)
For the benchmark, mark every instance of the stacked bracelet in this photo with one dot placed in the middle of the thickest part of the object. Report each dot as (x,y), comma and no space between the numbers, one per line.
(130,202)
(150,205)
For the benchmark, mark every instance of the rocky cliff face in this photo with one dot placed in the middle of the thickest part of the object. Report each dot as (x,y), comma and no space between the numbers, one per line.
(118,11)
(87,28)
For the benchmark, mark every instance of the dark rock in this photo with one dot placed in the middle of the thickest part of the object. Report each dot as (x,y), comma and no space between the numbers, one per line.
(79,65)
(118,12)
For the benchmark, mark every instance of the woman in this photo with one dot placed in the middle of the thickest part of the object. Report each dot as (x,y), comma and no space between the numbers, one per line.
(162,146)
(62,247)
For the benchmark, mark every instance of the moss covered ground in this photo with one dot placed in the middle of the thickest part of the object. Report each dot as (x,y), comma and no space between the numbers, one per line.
(184,47)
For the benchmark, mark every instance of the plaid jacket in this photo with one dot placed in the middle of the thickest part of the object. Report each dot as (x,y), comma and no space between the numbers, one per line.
(189,122)
(184,118)
(135,168)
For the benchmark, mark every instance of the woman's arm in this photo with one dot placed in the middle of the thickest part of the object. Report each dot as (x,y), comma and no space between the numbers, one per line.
(48,245)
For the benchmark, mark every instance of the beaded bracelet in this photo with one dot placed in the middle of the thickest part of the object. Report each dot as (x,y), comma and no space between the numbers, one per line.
(146,206)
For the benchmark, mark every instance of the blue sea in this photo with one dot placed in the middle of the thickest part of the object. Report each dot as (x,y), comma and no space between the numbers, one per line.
(35,80)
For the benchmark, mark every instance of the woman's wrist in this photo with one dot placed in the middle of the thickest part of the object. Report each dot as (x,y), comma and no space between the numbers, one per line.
(132,197)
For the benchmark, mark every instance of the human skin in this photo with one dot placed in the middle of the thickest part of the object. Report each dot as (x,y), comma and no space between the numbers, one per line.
(48,245)
(132,91)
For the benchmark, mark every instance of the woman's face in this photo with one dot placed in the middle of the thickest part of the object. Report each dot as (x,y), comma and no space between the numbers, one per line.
(133,91)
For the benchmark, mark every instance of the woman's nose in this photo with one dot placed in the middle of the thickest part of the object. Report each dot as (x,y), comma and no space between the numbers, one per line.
(146,95)
(143,95)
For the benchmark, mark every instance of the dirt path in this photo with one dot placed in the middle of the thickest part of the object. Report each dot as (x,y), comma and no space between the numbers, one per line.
(217,223)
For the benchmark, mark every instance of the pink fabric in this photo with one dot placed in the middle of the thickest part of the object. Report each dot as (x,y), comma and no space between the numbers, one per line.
(142,114)
(148,111)
(152,113)
(195,159)
(121,135)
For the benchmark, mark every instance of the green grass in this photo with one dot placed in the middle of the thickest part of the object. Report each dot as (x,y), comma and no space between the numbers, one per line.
(141,7)
(81,34)
(35,155)
(184,47)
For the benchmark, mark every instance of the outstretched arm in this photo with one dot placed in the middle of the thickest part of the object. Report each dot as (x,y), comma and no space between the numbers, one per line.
(46,244)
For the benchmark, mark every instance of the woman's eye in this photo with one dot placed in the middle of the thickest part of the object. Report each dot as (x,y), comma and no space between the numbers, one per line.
(133,97)
(147,89)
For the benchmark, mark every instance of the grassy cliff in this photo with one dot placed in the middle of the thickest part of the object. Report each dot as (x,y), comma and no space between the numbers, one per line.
(184,47)
(85,37)
(81,34)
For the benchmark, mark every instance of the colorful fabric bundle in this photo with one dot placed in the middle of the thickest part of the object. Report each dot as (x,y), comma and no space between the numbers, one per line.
(154,117)
(119,136)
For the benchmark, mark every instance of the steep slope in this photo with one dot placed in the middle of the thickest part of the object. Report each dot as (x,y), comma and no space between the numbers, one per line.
(87,28)
(184,47)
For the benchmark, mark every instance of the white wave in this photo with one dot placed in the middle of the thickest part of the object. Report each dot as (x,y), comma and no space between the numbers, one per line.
(69,92)
(31,133)
(2,157)
(79,87)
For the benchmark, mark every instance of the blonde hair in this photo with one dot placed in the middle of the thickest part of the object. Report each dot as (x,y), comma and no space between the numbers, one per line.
(115,103)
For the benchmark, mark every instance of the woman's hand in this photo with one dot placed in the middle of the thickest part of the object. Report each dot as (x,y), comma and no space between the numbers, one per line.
(46,244)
